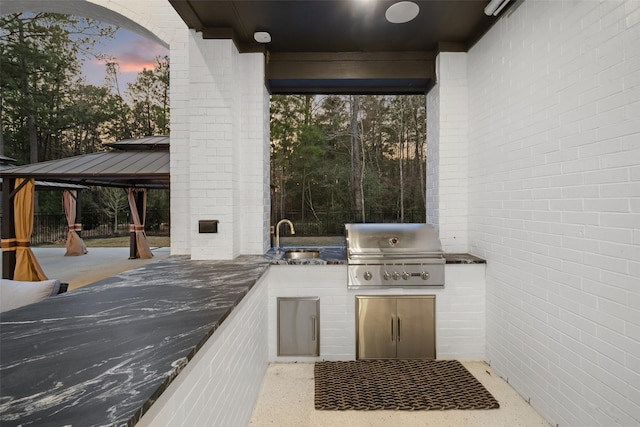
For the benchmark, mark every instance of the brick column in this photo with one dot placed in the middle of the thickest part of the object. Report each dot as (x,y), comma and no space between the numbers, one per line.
(447,152)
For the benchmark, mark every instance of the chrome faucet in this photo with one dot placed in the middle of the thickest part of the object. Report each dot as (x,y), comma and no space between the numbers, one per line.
(293,231)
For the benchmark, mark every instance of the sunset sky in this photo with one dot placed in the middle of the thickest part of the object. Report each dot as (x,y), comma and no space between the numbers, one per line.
(132,51)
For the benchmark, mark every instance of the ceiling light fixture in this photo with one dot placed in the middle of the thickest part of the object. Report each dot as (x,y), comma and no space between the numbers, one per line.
(402,12)
(262,37)
(495,6)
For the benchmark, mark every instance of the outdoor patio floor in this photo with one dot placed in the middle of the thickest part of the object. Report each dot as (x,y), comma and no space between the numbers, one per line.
(287,400)
(97,264)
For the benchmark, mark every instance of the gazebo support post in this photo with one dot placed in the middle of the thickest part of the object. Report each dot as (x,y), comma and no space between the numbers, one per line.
(8,229)
(133,243)
(78,224)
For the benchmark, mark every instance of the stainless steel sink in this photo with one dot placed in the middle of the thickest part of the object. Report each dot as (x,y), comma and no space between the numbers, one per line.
(301,254)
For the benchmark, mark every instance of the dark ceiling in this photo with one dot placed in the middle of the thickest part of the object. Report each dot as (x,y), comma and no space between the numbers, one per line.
(373,53)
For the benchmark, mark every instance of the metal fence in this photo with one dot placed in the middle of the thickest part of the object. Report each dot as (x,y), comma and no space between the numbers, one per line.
(52,228)
(331,223)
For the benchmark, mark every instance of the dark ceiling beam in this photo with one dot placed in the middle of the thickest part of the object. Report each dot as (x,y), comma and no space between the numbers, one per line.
(229,33)
(188,14)
(339,72)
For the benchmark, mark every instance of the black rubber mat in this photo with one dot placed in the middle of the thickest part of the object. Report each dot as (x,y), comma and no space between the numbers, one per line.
(399,385)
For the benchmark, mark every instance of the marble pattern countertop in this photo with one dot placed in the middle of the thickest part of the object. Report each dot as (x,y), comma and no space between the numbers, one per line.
(328,255)
(338,255)
(100,355)
(463,259)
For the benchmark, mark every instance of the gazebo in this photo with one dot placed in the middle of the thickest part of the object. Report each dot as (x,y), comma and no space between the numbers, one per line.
(134,164)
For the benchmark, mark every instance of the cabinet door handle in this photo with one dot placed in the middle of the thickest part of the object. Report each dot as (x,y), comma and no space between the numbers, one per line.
(398,329)
(313,328)
(393,338)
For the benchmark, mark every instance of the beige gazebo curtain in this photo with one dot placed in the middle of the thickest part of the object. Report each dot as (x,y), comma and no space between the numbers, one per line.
(27,267)
(75,245)
(142,245)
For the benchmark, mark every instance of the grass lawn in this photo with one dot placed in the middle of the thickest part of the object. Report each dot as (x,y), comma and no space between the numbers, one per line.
(116,242)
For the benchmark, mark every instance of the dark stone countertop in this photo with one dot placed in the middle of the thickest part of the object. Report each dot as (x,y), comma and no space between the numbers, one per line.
(329,255)
(338,255)
(463,259)
(101,354)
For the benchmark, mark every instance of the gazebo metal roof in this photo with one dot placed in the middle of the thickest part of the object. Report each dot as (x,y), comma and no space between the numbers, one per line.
(141,163)
(40,185)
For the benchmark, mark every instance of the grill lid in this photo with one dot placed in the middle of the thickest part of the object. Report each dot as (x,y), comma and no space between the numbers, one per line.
(383,240)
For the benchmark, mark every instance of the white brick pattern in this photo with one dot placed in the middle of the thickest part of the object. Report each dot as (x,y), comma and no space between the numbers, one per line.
(447,152)
(229,150)
(554,205)
(220,385)
(460,309)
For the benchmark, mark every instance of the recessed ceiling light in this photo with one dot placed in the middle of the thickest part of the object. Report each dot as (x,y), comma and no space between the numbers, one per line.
(262,37)
(402,12)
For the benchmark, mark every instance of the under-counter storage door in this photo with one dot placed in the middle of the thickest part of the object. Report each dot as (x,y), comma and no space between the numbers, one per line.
(376,328)
(416,328)
(298,326)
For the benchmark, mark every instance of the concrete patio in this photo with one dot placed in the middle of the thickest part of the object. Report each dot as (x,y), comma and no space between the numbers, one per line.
(287,400)
(97,264)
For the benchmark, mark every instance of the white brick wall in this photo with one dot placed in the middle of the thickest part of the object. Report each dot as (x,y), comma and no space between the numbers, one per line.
(433,156)
(229,151)
(447,152)
(179,149)
(220,385)
(554,204)
(460,309)
(252,157)
(211,145)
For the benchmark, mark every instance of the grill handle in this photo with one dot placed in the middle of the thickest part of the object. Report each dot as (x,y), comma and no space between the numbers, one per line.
(377,256)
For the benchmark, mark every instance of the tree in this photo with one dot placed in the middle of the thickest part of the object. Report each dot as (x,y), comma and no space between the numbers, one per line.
(287,116)
(120,126)
(113,200)
(357,153)
(48,111)
(39,68)
(356,160)
(150,97)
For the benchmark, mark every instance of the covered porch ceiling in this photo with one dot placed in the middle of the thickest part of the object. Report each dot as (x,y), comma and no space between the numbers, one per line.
(343,46)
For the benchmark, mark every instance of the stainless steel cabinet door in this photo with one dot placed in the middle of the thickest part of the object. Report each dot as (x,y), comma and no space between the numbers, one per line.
(298,326)
(416,328)
(390,327)
(376,323)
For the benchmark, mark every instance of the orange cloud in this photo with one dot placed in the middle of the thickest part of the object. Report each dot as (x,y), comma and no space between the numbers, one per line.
(139,55)
(132,52)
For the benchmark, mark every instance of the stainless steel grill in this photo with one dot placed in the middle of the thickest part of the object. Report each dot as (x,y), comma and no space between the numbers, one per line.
(394,255)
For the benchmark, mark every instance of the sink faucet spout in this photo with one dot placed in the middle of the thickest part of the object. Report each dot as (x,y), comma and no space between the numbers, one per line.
(293,231)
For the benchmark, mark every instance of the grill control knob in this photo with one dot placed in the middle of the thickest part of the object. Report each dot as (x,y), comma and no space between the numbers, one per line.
(405,275)
(386,275)
(395,275)
(367,275)
(425,275)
